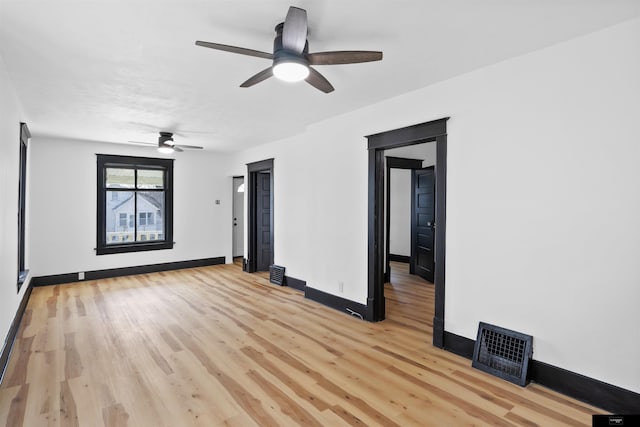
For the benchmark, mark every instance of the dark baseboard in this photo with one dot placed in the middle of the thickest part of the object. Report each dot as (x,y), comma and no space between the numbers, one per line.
(124,271)
(399,258)
(439,332)
(594,392)
(13,330)
(459,345)
(334,301)
(54,279)
(295,283)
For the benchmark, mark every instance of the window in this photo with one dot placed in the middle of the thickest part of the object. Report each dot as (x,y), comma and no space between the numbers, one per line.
(146,218)
(143,189)
(22,202)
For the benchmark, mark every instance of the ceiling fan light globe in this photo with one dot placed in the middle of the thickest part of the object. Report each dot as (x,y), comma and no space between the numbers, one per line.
(290,71)
(165,149)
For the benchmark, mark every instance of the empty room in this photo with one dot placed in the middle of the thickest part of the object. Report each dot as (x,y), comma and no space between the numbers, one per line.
(314,213)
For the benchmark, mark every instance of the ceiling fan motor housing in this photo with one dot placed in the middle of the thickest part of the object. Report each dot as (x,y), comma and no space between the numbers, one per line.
(280,54)
(164,137)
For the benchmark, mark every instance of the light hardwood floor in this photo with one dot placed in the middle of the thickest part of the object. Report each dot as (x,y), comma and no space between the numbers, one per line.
(214,346)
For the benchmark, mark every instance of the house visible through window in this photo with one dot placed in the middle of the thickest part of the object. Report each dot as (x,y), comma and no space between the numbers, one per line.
(146,218)
(130,188)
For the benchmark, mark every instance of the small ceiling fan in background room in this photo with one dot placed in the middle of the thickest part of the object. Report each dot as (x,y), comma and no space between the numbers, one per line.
(291,58)
(166,145)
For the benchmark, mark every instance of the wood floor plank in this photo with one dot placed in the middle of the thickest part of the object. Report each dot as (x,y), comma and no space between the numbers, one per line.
(68,410)
(214,346)
(16,411)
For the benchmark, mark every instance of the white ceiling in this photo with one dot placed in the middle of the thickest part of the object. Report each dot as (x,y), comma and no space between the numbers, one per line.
(123,70)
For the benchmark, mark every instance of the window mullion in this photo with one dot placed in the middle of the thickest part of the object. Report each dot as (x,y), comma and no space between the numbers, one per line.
(135,206)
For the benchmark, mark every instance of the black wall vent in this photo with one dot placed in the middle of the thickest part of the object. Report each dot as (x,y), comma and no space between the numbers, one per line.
(276,274)
(503,353)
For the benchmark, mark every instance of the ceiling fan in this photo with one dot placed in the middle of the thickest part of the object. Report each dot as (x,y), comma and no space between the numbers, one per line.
(166,145)
(291,58)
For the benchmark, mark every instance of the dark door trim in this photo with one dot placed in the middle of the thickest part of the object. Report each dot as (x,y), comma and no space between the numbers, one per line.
(425,132)
(394,163)
(253,169)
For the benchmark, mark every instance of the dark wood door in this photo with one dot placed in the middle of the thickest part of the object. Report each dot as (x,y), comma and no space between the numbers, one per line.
(264,232)
(422,222)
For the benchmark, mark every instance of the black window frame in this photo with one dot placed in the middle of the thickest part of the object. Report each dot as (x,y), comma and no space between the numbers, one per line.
(105,161)
(25,135)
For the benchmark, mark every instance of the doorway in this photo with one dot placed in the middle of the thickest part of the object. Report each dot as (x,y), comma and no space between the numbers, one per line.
(408,209)
(238,217)
(435,131)
(260,229)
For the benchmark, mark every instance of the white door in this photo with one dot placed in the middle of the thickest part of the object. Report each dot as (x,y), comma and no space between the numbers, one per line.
(238,217)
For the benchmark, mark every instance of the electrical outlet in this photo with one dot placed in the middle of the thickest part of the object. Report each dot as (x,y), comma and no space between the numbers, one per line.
(341,287)
(81,275)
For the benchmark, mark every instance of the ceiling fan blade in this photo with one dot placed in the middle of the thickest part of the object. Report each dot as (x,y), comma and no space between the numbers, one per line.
(141,143)
(294,33)
(178,149)
(318,81)
(191,147)
(343,57)
(234,49)
(257,78)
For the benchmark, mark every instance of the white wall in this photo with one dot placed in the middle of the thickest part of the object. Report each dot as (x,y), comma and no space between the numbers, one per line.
(10,118)
(319,206)
(542,199)
(400,212)
(63,208)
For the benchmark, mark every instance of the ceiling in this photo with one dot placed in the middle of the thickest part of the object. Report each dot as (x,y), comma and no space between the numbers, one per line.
(123,70)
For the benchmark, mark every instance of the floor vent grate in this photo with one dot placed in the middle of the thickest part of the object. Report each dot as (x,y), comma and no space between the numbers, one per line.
(503,353)
(276,274)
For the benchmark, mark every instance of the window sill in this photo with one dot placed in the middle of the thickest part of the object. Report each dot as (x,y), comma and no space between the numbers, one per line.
(133,247)
(22,276)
